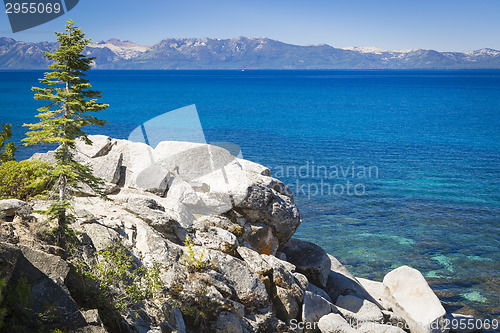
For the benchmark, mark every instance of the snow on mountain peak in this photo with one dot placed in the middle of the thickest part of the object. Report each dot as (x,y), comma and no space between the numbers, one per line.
(125,49)
(365,49)
(483,52)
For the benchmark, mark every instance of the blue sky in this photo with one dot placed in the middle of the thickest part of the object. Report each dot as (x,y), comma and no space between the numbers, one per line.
(442,25)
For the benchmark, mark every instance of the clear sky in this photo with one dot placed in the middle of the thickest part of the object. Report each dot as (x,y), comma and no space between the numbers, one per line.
(443,25)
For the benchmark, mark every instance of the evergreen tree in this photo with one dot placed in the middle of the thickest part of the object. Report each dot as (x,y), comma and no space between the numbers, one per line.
(8,148)
(70,99)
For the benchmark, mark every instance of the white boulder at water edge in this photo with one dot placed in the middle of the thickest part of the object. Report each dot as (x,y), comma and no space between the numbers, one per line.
(255,277)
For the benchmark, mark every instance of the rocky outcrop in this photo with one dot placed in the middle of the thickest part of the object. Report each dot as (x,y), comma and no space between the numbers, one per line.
(189,181)
(211,235)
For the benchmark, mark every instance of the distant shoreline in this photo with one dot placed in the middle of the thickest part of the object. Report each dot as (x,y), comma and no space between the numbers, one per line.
(276,70)
(245,53)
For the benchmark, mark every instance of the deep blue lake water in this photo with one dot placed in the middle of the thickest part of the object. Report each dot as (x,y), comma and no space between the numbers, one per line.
(423,148)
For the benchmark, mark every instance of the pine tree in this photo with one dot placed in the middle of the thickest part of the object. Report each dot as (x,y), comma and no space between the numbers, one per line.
(70,99)
(8,148)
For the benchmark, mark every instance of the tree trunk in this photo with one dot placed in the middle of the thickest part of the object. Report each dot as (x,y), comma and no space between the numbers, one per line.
(61,218)
(61,221)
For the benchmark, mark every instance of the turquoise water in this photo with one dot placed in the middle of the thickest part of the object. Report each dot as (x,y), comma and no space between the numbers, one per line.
(424,145)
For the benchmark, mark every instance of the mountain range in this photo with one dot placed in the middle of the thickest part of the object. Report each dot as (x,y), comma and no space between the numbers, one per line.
(244,53)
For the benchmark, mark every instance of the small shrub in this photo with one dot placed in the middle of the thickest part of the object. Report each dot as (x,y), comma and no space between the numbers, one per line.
(24,180)
(237,230)
(191,261)
(115,271)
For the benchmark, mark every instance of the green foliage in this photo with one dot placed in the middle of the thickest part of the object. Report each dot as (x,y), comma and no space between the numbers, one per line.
(68,94)
(196,305)
(3,311)
(57,208)
(69,99)
(9,149)
(115,270)
(190,258)
(25,180)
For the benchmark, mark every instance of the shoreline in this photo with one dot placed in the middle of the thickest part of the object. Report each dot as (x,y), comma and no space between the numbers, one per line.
(249,242)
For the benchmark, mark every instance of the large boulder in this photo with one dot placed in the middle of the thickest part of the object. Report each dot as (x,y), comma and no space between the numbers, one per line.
(152,248)
(287,303)
(341,282)
(101,236)
(8,259)
(216,239)
(99,145)
(286,292)
(334,323)
(162,220)
(310,260)
(376,289)
(313,308)
(108,167)
(173,320)
(11,207)
(38,298)
(357,310)
(254,261)
(414,300)
(268,201)
(193,180)
(52,266)
(250,291)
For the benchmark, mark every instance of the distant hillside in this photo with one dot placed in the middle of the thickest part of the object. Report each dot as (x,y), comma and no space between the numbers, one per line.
(245,53)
